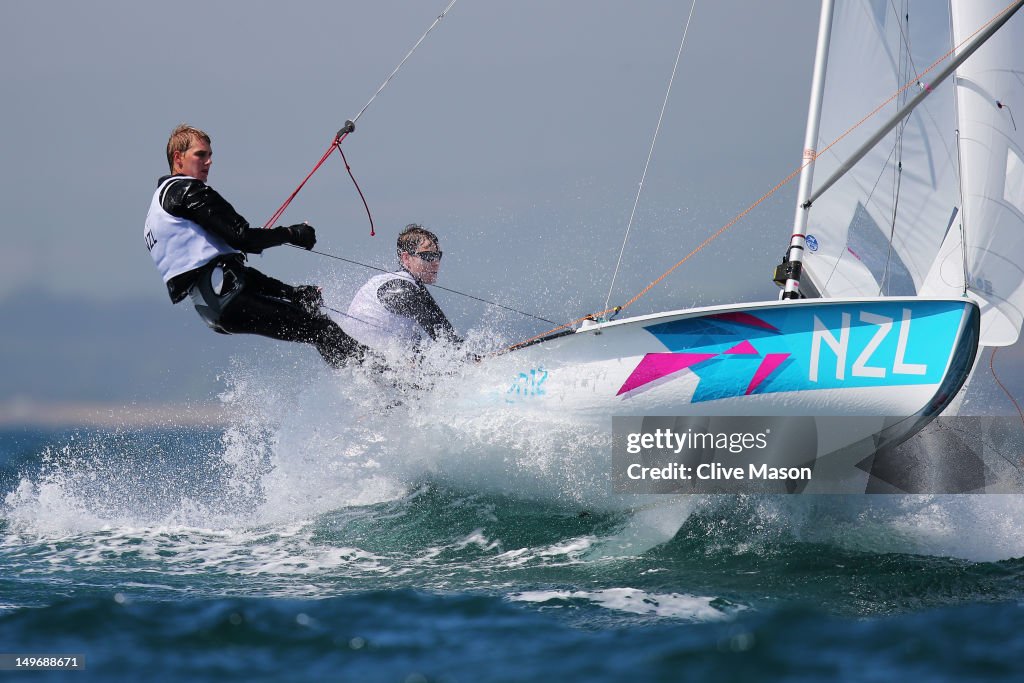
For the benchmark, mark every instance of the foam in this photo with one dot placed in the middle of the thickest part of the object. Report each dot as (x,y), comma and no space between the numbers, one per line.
(634,601)
(305,442)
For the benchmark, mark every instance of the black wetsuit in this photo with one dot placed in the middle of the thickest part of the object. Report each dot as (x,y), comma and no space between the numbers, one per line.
(249,302)
(413,300)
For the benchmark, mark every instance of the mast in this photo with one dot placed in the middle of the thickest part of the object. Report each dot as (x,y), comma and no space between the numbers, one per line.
(794,256)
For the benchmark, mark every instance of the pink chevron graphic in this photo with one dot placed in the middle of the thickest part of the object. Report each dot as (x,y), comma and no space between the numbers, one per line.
(770,363)
(745,319)
(657,365)
(744,348)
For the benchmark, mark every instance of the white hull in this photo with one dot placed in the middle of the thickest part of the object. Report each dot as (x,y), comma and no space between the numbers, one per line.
(895,362)
(589,371)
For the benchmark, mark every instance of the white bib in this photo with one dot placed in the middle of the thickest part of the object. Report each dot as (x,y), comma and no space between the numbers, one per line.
(375,326)
(179,245)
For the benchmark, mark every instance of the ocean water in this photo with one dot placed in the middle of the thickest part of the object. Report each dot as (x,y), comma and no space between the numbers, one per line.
(323,535)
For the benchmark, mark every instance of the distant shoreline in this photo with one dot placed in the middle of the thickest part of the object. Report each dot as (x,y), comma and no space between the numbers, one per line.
(18,413)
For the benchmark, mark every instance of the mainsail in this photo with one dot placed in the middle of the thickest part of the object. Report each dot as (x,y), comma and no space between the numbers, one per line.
(896,224)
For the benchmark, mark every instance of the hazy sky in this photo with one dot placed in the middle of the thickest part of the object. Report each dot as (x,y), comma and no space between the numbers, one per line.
(518,132)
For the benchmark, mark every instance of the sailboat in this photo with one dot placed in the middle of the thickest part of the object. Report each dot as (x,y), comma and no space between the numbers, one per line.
(897,273)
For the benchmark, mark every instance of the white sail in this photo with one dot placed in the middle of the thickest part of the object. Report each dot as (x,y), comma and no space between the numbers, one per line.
(878,230)
(989,93)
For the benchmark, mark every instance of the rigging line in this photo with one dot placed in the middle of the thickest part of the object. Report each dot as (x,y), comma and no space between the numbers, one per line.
(892,228)
(992,368)
(905,41)
(718,233)
(903,34)
(650,153)
(895,203)
(867,201)
(402,63)
(1003,105)
(963,215)
(453,291)
(565,326)
(794,174)
(358,189)
(281,209)
(900,131)
(986,442)
(348,315)
(985,31)
(349,127)
(906,54)
(782,183)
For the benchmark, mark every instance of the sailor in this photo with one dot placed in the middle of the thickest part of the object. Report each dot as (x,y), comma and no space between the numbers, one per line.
(395,309)
(199,242)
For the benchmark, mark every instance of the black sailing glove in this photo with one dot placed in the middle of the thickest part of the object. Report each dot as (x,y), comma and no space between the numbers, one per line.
(302,235)
(309,297)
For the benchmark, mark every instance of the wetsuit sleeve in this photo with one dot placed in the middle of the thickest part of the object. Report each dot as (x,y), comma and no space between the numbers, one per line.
(405,298)
(195,200)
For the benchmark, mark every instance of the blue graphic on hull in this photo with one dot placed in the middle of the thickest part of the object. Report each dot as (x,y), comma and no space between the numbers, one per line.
(807,347)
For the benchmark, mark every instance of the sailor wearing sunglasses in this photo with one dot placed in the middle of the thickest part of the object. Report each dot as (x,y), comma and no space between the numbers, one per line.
(396,309)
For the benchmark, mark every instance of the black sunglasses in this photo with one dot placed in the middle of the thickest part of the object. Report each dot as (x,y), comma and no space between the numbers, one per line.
(428,256)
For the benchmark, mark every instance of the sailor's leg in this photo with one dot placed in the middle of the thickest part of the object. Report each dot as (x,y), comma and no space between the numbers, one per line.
(261,283)
(253,313)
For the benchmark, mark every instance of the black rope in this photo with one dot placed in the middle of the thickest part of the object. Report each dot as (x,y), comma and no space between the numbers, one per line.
(453,291)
